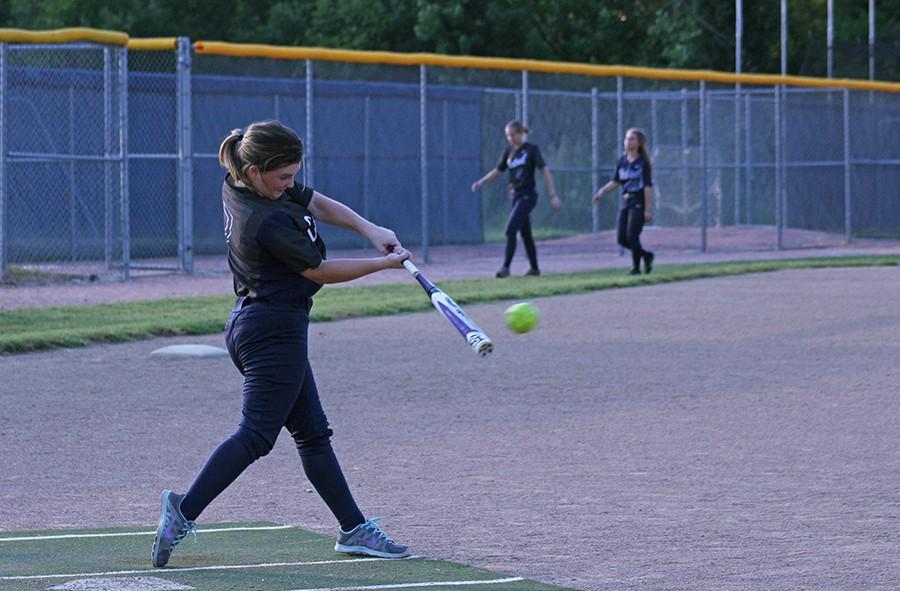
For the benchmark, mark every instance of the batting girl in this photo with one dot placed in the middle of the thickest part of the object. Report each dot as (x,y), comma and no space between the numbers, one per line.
(277,258)
(521,159)
(633,174)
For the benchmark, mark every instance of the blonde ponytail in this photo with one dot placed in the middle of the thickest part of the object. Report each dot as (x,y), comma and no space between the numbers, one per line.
(230,157)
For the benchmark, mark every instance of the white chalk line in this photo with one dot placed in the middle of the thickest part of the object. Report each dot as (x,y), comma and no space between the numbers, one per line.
(177,570)
(137,533)
(413,585)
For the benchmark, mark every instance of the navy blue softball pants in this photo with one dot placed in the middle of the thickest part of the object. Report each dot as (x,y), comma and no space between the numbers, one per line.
(519,222)
(630,224)
(268,344)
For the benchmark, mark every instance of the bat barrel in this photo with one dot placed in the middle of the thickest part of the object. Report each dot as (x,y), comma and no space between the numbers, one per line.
(477,340)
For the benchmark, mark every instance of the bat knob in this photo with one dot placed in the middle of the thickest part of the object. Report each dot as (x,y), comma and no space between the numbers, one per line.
(480,343)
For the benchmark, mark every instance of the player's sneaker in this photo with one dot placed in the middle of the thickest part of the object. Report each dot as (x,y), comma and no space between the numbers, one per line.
(503,272)
(634,272)
(648,262)
(171,529)
(367,538)
(533,272)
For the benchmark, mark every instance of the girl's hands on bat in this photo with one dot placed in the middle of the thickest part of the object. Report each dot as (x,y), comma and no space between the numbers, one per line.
(383,239)
(395,258)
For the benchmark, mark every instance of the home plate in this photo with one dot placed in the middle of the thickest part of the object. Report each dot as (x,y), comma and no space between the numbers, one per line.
(122,584)
(203,351)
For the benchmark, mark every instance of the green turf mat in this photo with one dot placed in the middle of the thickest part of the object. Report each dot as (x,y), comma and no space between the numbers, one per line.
(257,556)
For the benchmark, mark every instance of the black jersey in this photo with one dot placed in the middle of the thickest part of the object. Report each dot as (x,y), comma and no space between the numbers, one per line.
(271,242)
(633,176)
(521,165)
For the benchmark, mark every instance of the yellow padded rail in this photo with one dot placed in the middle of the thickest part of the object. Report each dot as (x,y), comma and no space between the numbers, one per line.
(153,44)
(68,35)
(492,63)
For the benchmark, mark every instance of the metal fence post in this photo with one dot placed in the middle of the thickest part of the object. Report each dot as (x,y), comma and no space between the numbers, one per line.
(684,154)
(737,154)
(703,177)
(595,159)
(782,138)
(445,177)
(108,153)
(848,225)
(654,126)
(123,162)
(777,136)
(366,143)
(620,123)
(423,154)
(748,158)
(620,110)
(525,98)
(4,203)
(738,63)
(309,144)
(73,205)
(829,39)
(185,157)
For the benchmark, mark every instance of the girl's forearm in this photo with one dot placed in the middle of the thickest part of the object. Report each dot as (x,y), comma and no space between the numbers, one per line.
(488,177)
(337,214)
(340,270)
(548,179)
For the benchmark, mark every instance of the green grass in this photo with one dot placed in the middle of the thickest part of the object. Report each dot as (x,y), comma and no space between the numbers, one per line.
(34,329)
(263,560)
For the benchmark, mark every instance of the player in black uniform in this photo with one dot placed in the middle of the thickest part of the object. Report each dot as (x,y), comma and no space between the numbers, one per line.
(520,158)
(278,261)
(633,174)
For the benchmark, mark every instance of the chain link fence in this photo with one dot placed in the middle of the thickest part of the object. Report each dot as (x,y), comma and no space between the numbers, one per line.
(153,155)
(735,167)
(63,160)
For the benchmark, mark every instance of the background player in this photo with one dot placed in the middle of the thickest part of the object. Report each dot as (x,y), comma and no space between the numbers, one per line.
(633,174)
(278,262)
(520,158)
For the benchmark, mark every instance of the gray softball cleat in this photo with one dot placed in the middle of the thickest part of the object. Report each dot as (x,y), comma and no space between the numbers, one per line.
(172,528)
(367,538)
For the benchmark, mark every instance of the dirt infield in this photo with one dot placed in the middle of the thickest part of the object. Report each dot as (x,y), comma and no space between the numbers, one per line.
(732,433)
(576,253)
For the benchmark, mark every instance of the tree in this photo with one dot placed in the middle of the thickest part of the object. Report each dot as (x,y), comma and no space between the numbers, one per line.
(658,33)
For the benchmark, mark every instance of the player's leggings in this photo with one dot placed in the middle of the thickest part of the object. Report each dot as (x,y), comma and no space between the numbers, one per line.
(519,222)
(268,344)
(630,224)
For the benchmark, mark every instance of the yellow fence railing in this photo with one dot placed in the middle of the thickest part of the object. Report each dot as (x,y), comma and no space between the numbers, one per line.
(75,34)
(69,35)
(491,63)
(153,44)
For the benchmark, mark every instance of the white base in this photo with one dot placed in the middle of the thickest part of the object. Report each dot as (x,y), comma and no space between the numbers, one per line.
(122,584)
(202,351)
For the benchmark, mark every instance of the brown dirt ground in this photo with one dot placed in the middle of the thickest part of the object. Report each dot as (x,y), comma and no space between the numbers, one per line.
(732,433)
